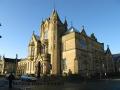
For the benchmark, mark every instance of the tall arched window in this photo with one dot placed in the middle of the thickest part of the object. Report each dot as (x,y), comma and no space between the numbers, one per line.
(46,34)
(32,51)
(31,48)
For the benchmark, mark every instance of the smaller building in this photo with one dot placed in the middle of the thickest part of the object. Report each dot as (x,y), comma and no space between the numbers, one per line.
(116,59)
(22,67)
(109,63)
(8,65)
(1,66)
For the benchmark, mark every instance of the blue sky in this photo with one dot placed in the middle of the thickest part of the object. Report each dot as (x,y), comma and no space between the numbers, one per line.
(20,18)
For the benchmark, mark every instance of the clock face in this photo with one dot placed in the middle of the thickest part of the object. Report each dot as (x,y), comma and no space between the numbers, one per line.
(82,43)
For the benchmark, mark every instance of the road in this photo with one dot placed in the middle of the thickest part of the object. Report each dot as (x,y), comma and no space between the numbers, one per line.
(85,85)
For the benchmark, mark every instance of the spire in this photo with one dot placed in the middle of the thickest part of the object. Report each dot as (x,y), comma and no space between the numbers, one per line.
(16,56)
(55,16)
(33,32)
(42,21)
(65,22)
(107,46)
(83,31)
(54,5)
(93,37)
(54,13)
(108,50)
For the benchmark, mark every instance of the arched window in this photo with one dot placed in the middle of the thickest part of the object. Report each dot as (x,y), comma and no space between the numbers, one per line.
(43,49)
(31,48)
(64,64)
(46,34)
(32,51)
(82,43)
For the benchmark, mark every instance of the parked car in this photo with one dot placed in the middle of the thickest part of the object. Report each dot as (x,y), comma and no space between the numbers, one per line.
(28,78)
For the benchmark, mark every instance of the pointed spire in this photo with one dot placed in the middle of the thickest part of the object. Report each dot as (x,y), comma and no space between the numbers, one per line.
(107,46)
(55,17)
(54,5)
(42,21)
(54,13)
(83,31)
(16,56)
(93,37)
(108,50)
(65,22)
(33,32)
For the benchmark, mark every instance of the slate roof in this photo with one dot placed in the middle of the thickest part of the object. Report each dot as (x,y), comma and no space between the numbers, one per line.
(71,29)
(116,57)
(11,60)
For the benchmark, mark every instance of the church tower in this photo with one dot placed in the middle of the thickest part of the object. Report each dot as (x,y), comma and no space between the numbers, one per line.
(51,32)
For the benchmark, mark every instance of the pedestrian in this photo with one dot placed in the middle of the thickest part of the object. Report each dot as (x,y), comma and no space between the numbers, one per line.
(11,78)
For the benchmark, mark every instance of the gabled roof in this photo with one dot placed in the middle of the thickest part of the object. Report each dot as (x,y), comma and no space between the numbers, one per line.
(71,29)
(37,37)
(116,57)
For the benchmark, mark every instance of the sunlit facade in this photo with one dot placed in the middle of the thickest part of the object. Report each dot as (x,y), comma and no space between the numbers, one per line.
(60,50)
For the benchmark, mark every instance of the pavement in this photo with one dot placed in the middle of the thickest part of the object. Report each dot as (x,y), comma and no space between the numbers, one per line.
(4,85)
(7,88)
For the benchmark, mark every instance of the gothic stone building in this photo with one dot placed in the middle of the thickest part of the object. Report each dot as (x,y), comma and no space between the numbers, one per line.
(8,65)
(59,50)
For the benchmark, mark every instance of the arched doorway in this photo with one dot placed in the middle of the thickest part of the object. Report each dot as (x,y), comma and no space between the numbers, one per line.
(38,69)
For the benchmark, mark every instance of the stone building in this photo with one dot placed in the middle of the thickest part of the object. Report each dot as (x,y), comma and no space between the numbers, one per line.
(1,66)
(109,61)
(61,50)
(22,67)
(8,65)
(116,59)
